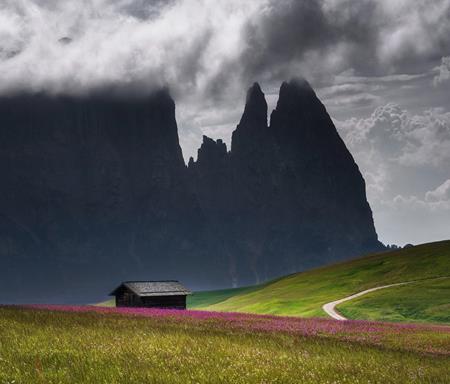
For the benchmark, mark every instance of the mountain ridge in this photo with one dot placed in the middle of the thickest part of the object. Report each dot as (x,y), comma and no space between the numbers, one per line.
(96,190)
(287,170)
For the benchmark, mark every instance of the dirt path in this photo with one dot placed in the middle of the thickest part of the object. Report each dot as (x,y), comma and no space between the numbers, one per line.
(330,308)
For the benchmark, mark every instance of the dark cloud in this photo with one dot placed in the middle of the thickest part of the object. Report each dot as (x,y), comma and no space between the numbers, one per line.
(324,37)
(144,9)
(210,47)
(291,31)
(358,54)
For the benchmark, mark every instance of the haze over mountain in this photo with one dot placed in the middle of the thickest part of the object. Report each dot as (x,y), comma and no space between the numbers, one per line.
(95,190)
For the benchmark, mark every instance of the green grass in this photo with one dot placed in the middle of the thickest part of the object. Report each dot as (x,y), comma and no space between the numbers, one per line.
(205,298)
(38,346)
(107,303)
(303,294)
(426,301)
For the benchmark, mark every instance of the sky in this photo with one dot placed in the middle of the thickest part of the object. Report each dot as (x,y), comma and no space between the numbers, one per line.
(381,67)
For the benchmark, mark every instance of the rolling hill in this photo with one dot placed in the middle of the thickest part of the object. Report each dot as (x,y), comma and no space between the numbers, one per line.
(422,301)
(303,294)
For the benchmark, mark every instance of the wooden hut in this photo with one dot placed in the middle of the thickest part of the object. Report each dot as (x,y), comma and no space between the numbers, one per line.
(151,294)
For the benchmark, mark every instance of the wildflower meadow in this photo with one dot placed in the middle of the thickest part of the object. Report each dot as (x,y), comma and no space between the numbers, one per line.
(83,344)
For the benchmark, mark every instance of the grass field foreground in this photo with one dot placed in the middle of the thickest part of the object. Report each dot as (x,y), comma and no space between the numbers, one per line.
(106,345)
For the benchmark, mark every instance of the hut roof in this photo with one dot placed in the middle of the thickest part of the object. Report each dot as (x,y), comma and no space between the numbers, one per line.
(154,288)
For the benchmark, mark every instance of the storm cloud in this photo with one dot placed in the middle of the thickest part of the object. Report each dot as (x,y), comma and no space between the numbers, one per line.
(209,47)
(381,68)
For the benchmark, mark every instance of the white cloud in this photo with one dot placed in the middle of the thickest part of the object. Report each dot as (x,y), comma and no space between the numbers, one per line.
(399,154)
(373,141)
(193,44)
(443,72)
(424,204)
(440,195)
(401,137)
(356,100)
(413,28)
(349,77)
(185,45)
(427,139)
(412,219)
(348,88)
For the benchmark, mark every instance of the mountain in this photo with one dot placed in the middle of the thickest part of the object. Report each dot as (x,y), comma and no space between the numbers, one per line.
(288,195)
(95,190)
(303,294)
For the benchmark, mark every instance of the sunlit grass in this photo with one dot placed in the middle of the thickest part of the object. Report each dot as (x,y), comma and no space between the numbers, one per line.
(427,300)
(303,294)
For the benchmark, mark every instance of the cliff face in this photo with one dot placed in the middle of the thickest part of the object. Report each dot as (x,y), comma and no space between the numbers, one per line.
(320,178)
(92,188)
(95,190)
(297,198)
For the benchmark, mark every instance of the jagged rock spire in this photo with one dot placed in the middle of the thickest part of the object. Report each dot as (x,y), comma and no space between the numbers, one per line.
(301,117)
(253,123)
(295,95)
(255,112)
(211,150)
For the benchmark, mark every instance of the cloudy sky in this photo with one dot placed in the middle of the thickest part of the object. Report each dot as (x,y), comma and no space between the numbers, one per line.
(381,67)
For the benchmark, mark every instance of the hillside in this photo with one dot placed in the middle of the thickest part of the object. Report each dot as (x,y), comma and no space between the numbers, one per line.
(427,300)
(303,294)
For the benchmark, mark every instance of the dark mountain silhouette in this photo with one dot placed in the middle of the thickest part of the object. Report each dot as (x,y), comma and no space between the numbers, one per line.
(288,196)
(95,190)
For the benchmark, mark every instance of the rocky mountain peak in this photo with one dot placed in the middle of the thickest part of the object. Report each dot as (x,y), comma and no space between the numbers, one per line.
(296,87)
(253,124)
(211,150)
(295,96)
(300,119)
(255,112)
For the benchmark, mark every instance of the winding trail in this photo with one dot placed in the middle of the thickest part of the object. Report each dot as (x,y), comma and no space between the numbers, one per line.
(330,308)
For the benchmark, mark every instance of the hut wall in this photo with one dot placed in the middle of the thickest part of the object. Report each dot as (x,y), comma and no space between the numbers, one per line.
(175,302)
(126,298)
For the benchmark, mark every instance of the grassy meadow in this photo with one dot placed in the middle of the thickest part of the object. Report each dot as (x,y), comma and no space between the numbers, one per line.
(423,301)
(303,294)
(206,298)
(107,345)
